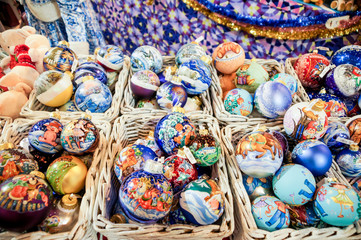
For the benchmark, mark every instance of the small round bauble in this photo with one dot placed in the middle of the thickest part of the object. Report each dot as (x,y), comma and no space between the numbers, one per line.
(349,161)
(256,187)
(354,128)
(144,84)
(250,76)
(287,80)
(146,58)
(170,95)
(238,101)
(94,96)
(69,107)
(45,135)
(193,104)
(80,136)
(111,57)
(337,204)
(335,130)
(195,76)
(308,69)
(344,81)
(205,149)
(131,159)
(176,216)
(272,99)
(282,140)
(259,154)
(314,155)
(228,57)
(303,216)
(209,199)
(352,105)
(294,184)
(89,69)
(189,51)
(53,88)
(334,106)
(25,202)
(147,103)
(149,141)
(349,54)
(270,213)
(60,58)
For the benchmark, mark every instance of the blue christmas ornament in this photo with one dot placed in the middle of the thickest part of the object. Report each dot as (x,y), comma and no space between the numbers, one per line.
(334,107)
(110,57)
(335,130)
(348,54)
(349,161)
(146,58)
(256,187)
(287,80)
(188,52)
(314,155)
(162,77)
(89,69)
(170,95)
(352,105)
(238,101)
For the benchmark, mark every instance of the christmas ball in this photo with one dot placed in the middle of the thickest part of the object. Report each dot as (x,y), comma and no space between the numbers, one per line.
(195,76)
(209,198)
(256,187)
(60,58)
(250,76)
(161,77)
(282,140)
(176,216)
(334,106)
(228,57)
(308,69)
(149,141)
(170,95)
(111,57)
(67,174)
(270,213)
(144,84)
(349,54)
(272,99)
(146,58)
(45,135)
(294,184)
(303,216)
(193,104)
(80,136)
(146,196)
(259,154)
(349,161)
(69,107)
(25,202)
(306,120)
(89,69)
(227,83)
(354,128)
(352,106)
(147,103)
(189,51)
(314,155)
(335,130)
(53,88)
(344,81)
(336,204)
(205,149)
(238,101)
(94,96)
(131,159)
(287,80)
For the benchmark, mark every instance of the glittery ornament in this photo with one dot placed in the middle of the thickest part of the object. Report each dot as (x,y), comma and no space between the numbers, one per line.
(146,58)
(60,58)
(349,54)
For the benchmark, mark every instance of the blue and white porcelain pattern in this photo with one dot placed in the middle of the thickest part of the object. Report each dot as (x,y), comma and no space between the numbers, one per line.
(111,57)
(189,51)
(89,69)
(170,95)
(146,58)
(335,130)
(256,187)
(349,161)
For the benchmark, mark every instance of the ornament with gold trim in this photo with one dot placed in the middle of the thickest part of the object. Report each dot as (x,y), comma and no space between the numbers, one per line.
(228,57)
(250,76)
(60,58)
(171,94)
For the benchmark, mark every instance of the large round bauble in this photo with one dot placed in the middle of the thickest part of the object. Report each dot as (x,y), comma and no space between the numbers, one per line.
(170,95)
(174,131)
(287,80)
(206,150)
(270,213)
(144,84)
(335,130)
(334,106)
(189,51)
(149,141)
(337,204)
(349,54)
(272,99)
(282,140)
(250,76)
(354,128)
(256,187)
(147,103)
(89,69)
(45,135)
(60,58)
(111,57)
(146,58)
(308,69)
(238,101)
(25,202)
(349,161)
(228,57)
(195,76)
(209,198)
(294,184)
(53,88)
(303,216)
(94,96)
(314,155)
(259,154)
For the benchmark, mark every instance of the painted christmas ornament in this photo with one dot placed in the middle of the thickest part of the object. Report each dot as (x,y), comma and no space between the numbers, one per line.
(53,88)
(334,106)
(272,99)
(270,213)
(259,154)
(193,104)
(228,57)
(161,77)
(144,84)
(189,51)
(170,95)
(282,140)
(238,101)
(349,161)
(209,198)
(176,215)
(146,58)
(25,202)
(89,69)
(294,184)
(146,196)
(80,136)
(308,68)
(337,204)
(131,159)
(352,106)
(335,130)
(111,57)
(149,141)
(69,107)
(147,103)
(60,58)
(67,175)
(43,159)
(354,127)
(349,54)
(195,76)
(256,187)
(303,216)
(250,76)
(344,81)
(314,155)
(287,80)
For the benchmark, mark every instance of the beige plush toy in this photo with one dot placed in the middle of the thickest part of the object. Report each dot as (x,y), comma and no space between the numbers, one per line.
(13,100)
(38,46)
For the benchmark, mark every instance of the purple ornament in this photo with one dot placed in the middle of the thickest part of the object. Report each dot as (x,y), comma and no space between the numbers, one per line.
(282,140)
(170,95)
(348,54)
(144,84)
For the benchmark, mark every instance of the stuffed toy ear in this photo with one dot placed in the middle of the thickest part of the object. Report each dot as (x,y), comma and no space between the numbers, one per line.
(24,88)
(29,29)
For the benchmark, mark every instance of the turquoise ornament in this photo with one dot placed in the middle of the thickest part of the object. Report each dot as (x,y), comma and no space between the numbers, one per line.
(239,102)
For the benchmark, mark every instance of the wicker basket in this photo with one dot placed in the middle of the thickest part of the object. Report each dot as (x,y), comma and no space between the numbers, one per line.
(127,130)
(227,118)
(33,109)
(128,103)
(230,136)
(18,130)
(4,122)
